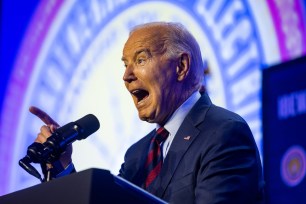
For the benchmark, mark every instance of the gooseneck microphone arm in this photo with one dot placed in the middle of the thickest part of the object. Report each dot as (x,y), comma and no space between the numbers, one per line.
(56,144)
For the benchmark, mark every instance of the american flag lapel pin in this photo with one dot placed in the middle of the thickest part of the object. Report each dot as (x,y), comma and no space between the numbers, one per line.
(187,138)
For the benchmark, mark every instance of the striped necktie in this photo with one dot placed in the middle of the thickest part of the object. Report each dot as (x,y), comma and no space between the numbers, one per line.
(155,158)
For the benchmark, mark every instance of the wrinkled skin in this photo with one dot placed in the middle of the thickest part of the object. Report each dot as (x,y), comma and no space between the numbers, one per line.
(153,79)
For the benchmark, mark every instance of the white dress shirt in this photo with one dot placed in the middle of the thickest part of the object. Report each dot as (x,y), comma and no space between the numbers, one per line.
(176,120)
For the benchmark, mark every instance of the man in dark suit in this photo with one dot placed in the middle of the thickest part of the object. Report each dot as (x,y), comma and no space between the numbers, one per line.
(208,154)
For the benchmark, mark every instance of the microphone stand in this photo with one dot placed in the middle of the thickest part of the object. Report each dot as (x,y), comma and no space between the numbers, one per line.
(49,152)
(25,164)
(43,154)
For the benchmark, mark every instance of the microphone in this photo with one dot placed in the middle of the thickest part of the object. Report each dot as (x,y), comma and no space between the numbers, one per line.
(57,143)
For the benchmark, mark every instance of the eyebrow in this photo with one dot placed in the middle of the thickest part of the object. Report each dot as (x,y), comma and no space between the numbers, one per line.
(147,51)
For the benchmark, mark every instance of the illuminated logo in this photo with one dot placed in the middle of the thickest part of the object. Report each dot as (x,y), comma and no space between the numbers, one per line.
(74,69)
(293,166)
(78,71)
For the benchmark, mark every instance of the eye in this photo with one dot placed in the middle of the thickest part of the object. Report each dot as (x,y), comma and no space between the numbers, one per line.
(141,61)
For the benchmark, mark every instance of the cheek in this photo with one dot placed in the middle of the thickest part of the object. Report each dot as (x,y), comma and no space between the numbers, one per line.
(159,79)
(161,95)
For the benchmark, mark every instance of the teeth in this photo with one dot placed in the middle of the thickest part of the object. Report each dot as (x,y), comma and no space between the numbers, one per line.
(135,91)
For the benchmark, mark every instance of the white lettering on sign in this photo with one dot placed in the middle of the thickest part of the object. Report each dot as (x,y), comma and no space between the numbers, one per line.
(292,104)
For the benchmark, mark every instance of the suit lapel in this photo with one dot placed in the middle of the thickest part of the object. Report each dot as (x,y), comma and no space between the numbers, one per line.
(184,137)
(135,165)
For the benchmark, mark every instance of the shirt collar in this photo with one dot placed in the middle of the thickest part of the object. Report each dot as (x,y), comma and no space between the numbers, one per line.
(179,115)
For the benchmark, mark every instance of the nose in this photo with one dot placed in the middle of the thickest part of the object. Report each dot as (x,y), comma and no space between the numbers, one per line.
(129,74)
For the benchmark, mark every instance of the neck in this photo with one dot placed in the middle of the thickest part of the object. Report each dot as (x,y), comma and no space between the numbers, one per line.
(180,100)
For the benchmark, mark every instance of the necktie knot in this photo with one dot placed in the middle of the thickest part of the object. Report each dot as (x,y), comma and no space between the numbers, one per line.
(161,135)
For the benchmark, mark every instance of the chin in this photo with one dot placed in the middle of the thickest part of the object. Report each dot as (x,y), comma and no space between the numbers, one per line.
(150,121)
(146,118)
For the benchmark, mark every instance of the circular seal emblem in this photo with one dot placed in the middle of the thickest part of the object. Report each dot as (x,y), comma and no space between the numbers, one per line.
(77,71)
(293,166)
(69,65)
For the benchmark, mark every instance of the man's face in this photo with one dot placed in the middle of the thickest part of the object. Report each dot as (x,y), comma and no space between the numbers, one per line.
(150,77)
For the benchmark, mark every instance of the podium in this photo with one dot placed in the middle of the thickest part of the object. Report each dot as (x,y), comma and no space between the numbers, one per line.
(91,186)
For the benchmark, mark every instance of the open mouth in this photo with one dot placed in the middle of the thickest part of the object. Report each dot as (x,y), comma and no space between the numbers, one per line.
(140,94)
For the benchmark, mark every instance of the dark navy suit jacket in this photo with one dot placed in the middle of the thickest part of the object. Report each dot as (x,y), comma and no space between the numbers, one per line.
(219,163)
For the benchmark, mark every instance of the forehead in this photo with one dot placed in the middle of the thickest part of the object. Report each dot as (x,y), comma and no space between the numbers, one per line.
(139,40)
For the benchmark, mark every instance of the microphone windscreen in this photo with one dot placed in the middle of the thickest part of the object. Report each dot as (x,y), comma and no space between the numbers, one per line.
(89,124)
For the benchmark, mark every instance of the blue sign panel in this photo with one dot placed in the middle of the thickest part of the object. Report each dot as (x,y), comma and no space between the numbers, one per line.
(284,128)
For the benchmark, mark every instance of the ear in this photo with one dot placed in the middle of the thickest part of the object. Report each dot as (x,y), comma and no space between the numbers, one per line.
(183,66)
